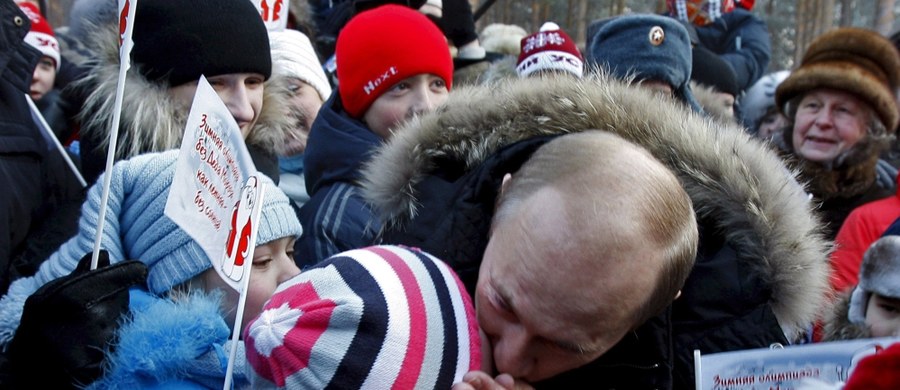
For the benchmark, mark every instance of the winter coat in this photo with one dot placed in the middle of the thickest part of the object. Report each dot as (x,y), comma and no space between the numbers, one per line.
(168,343)
(336,218)
(36,181)
(861,228)
(151,121)
(435,184)
(56,111)
(742,39)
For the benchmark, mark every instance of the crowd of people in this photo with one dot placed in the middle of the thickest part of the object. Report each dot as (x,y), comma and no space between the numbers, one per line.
(444,209)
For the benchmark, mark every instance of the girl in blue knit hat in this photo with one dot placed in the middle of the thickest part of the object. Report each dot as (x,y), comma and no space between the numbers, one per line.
(178,329)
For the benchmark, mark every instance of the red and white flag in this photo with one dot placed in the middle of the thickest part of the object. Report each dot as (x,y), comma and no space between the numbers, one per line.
(274,13)
(210,173)
(126,26)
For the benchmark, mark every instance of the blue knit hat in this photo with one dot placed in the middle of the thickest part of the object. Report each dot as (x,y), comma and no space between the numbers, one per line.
(136,228)
(171,255)
(647,46)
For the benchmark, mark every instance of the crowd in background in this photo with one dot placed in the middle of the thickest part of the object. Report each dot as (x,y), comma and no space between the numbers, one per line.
(447,208)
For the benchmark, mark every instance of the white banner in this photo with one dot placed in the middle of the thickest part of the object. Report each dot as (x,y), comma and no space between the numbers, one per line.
(212,168)
(784,368)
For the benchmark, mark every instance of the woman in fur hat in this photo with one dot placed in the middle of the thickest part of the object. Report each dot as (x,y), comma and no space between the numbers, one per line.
(842,112)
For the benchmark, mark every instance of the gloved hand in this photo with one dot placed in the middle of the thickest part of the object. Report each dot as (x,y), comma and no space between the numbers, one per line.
(69,324)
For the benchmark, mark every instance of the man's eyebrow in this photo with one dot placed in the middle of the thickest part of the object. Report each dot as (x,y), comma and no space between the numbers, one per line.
(575,347)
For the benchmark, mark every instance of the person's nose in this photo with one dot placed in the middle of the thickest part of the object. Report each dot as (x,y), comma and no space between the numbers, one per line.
(288,270)
(824,118)
(237,100)
(511,353)
(424,102)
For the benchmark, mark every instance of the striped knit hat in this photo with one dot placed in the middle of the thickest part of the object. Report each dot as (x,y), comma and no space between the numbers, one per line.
(376,318)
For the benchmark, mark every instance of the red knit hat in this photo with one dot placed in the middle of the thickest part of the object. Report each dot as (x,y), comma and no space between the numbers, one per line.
(380,47)
(41,36)
(549,49)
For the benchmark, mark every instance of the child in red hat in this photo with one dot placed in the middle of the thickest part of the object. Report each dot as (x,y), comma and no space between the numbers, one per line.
(393,64)
(41,37)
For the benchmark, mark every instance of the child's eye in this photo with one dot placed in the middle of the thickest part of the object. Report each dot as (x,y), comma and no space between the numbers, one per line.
(894,309)
(261,262)
(401,86)
(439,83)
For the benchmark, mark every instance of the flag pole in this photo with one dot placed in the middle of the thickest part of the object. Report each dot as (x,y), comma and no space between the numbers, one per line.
(128,7)
(245,285)
(46,129)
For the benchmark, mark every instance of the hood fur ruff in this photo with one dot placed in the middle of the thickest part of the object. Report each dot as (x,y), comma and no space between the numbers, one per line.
(150,120)
(753,197)
(706,97)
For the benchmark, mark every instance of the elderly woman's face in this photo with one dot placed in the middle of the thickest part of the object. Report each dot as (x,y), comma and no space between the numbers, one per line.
(828,123)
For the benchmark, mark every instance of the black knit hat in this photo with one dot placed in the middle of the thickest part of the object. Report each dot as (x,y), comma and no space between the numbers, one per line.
(712,71)
(178,40)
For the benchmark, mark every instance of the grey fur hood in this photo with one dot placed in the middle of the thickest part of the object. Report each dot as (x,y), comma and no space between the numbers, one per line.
(706,97)
(150,120)
(757,201)
(837,322)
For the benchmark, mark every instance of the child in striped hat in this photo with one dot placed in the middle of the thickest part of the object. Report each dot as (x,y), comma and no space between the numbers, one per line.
(381,317)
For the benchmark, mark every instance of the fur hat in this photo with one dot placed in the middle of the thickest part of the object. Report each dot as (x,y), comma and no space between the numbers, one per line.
(382,317)
(879,273)
(41,35)
(549,49)
(380,47)
(177,41)
(646,46)
(855,60)
(502,38)
(293,56)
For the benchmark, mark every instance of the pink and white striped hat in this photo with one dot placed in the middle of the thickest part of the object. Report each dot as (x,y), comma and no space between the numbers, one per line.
(383,317)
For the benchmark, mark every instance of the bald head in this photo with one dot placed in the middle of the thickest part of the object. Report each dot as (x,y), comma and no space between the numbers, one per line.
(610,187)
(591,237)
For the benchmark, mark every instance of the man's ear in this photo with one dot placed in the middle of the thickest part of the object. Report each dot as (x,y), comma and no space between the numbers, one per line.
(505,183)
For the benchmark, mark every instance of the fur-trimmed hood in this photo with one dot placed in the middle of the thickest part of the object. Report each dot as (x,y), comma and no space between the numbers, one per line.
(734,180)
(838,325)
(150,120)
(707,99)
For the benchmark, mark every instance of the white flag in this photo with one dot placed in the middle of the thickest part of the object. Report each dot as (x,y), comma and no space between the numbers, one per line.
(210,172)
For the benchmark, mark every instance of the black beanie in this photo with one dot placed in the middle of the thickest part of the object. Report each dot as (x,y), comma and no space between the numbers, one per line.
(178,40)
(712,71)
